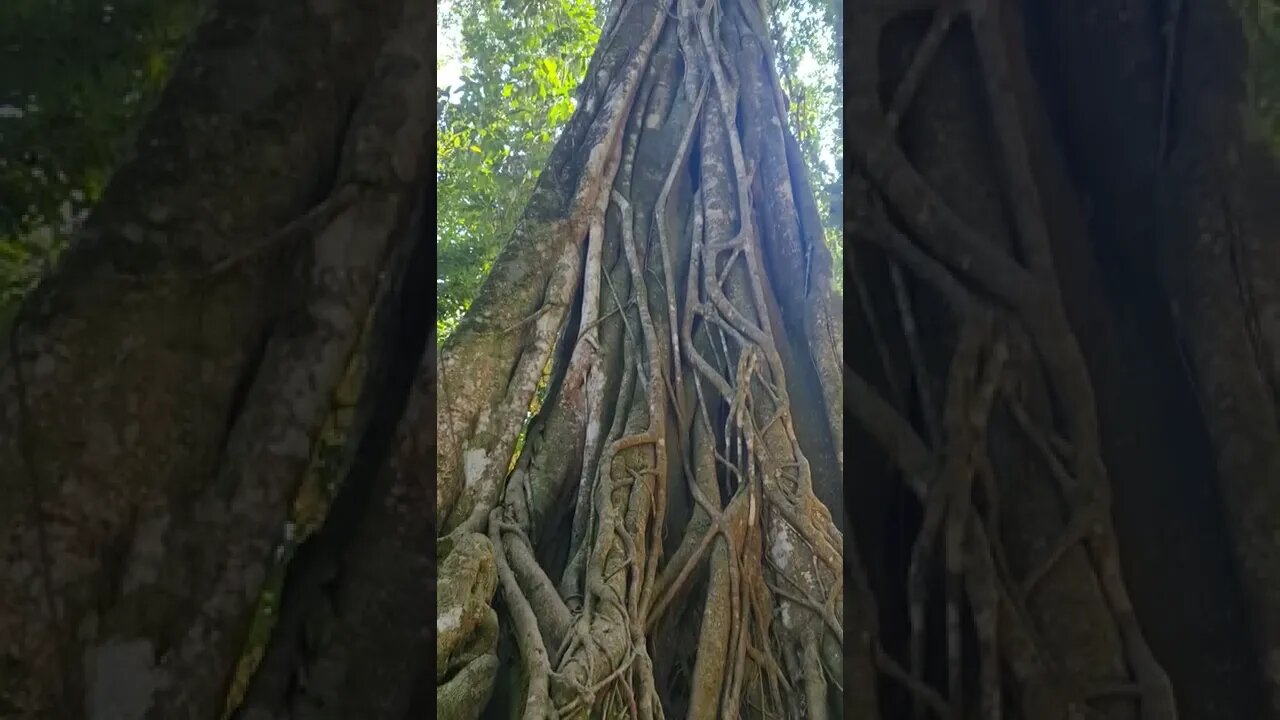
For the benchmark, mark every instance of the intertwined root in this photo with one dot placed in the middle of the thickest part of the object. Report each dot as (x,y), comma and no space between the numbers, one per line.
(669,426)
(1011,326)
(665,470)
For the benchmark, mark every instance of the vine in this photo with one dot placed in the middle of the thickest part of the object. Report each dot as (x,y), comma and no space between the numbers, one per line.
(1006,306)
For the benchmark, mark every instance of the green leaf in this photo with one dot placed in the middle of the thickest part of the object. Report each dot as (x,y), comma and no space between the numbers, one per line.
(560,112)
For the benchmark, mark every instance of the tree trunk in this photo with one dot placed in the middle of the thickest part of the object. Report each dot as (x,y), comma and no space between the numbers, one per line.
(664,541)
(1010,162)
(1063,386)
(163,389)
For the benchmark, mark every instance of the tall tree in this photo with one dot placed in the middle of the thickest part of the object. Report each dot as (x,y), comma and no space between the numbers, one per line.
(664,541)
(1059,247)
(1062,390)
(163,388)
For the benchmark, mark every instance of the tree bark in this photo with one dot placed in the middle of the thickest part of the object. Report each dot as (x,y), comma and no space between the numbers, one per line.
(1087,158)
(683,302)
(1062,386)
(162,388)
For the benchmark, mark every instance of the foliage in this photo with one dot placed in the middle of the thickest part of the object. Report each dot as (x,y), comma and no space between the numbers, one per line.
(495,130)
(519,74)
(79,77)
(76,79)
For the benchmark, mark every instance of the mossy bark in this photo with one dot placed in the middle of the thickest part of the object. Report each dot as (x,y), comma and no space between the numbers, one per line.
(1143,151)
(681,291)
(1063,287)
(162,389)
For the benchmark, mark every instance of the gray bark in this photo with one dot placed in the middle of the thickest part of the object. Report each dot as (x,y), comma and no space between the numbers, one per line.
(692,412)
(144,506)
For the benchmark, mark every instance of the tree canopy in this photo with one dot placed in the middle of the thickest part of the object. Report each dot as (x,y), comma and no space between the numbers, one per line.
(76,80)
(507,84)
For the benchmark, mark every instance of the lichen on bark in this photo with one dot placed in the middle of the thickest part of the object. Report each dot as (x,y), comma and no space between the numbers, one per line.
(120,498)
(689,329)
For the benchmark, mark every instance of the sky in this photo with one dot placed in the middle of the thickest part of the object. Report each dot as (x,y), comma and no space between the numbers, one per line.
(448,66)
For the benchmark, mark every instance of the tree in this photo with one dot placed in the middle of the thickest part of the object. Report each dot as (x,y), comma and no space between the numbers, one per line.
(1031,187)
(75,78)
(205,344)
(495,131)
(671,271)
(1061,388)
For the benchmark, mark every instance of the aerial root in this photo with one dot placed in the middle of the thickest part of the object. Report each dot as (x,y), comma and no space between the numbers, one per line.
(974,277)
(760,548)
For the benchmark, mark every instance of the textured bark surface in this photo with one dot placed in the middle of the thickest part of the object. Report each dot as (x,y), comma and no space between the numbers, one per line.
(664,543)
(1222,262)
(1120,155)
(162,390)
(1062,390)
(1091,173)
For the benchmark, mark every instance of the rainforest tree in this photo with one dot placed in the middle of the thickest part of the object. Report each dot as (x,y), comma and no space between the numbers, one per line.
(664,541)
(1060,394)
(1063,439)
(165,387)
